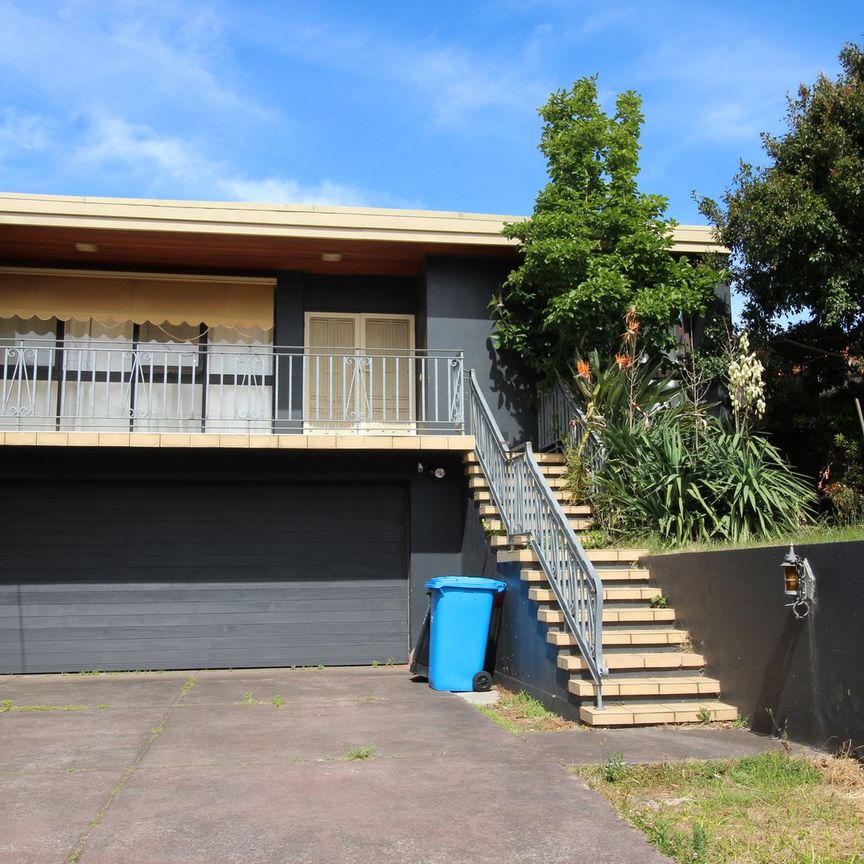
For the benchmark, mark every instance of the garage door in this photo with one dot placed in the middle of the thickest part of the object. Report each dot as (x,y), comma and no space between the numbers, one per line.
(140,575)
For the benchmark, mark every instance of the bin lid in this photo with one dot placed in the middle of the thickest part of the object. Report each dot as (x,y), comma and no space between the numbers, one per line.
(476,583)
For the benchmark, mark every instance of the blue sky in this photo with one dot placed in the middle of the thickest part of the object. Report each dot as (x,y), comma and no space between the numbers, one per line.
(387,104)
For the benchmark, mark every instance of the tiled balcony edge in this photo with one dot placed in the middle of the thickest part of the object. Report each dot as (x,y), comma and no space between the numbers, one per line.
(214,440)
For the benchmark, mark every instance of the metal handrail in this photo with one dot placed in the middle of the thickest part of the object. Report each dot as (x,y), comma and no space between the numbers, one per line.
(528,506)
(83,384)
(561,421)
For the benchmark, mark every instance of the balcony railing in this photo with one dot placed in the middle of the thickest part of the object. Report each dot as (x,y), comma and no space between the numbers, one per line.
(150,387)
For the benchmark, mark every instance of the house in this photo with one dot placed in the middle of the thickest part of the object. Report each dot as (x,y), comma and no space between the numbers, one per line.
(236,434)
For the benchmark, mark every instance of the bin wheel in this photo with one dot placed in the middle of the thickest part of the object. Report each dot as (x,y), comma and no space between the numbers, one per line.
(482,682)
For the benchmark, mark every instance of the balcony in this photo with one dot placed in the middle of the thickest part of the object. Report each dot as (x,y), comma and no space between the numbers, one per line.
(72,386)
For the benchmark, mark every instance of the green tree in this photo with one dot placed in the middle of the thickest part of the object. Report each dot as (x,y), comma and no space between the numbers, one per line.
(795,227)
(595,246)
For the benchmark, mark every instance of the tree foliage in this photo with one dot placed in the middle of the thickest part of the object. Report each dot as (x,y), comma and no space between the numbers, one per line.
(595,245)
(796,225)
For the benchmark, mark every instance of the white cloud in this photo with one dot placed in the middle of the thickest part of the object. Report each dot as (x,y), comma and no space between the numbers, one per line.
(112,140)
(445,82)
(173,167)
(151,55)
(278,190)
(727,92)
(23,130)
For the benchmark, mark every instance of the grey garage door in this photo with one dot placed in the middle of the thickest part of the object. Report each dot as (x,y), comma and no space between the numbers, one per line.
(136,575)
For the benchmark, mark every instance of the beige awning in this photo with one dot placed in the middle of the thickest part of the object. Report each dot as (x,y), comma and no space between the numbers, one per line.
(116,297)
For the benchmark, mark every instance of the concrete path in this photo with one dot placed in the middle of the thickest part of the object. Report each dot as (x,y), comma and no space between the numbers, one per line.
(178,768)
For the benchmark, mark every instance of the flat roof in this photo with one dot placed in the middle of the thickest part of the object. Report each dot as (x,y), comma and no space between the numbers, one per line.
(287,220)
(255,237)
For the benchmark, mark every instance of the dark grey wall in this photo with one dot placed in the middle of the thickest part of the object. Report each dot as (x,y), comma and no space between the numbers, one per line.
(437,508)
(808,674)
(455,296)
(383,294)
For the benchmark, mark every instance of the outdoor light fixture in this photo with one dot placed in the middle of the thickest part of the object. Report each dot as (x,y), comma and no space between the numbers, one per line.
(798,582)
(437,473)
(86,247)
(499,298)
(331,256)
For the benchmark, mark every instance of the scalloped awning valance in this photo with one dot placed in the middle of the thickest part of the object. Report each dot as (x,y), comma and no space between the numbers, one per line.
(138,297)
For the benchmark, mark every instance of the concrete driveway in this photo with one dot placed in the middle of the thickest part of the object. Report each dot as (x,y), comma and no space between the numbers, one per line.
(202,767)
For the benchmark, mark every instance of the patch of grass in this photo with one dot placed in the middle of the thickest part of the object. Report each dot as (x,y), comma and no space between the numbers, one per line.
(813,534)
(7,705)
(613,769)
(188,684)
(277,701)
(104,706)
(768,809)
(365,751)
(249,698)
(659,602)
(519,712)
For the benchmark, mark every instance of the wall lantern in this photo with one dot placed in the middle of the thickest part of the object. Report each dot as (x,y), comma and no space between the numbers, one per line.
(798,582)
(437,473)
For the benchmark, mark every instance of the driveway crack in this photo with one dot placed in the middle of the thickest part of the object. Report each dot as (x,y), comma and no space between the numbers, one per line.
(75,855)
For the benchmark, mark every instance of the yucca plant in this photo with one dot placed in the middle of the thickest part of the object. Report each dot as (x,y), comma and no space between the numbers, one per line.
(666,481)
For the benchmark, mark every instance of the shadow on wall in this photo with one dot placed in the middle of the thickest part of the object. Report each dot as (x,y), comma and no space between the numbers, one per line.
(802,678)
(515,390)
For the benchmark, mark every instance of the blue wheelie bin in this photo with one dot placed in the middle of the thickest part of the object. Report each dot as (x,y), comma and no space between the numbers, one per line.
(461,611)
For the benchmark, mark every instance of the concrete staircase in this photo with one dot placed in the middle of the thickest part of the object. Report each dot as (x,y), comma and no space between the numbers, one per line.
(655,677)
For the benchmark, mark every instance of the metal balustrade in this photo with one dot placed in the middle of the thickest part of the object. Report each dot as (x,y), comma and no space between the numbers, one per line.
(148,387)
(560,422)
(529,507)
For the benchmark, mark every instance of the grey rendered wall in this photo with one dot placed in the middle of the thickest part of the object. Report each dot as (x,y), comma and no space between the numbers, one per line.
(808,674)
(455,294)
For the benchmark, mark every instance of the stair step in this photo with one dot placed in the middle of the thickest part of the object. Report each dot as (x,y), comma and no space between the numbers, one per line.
(557,481)
(577,509)
(553,469)
(482,496)
(488,510)
(477,482)
(603,555)
(678,685)
(616,714)
(550,458)
(631,594)
(643,615)
(473,470)
(620,636)
(597,556)
(637,660)
(616,574)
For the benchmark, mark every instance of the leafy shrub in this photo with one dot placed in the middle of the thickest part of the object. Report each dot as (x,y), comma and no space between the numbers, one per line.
(684,483)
